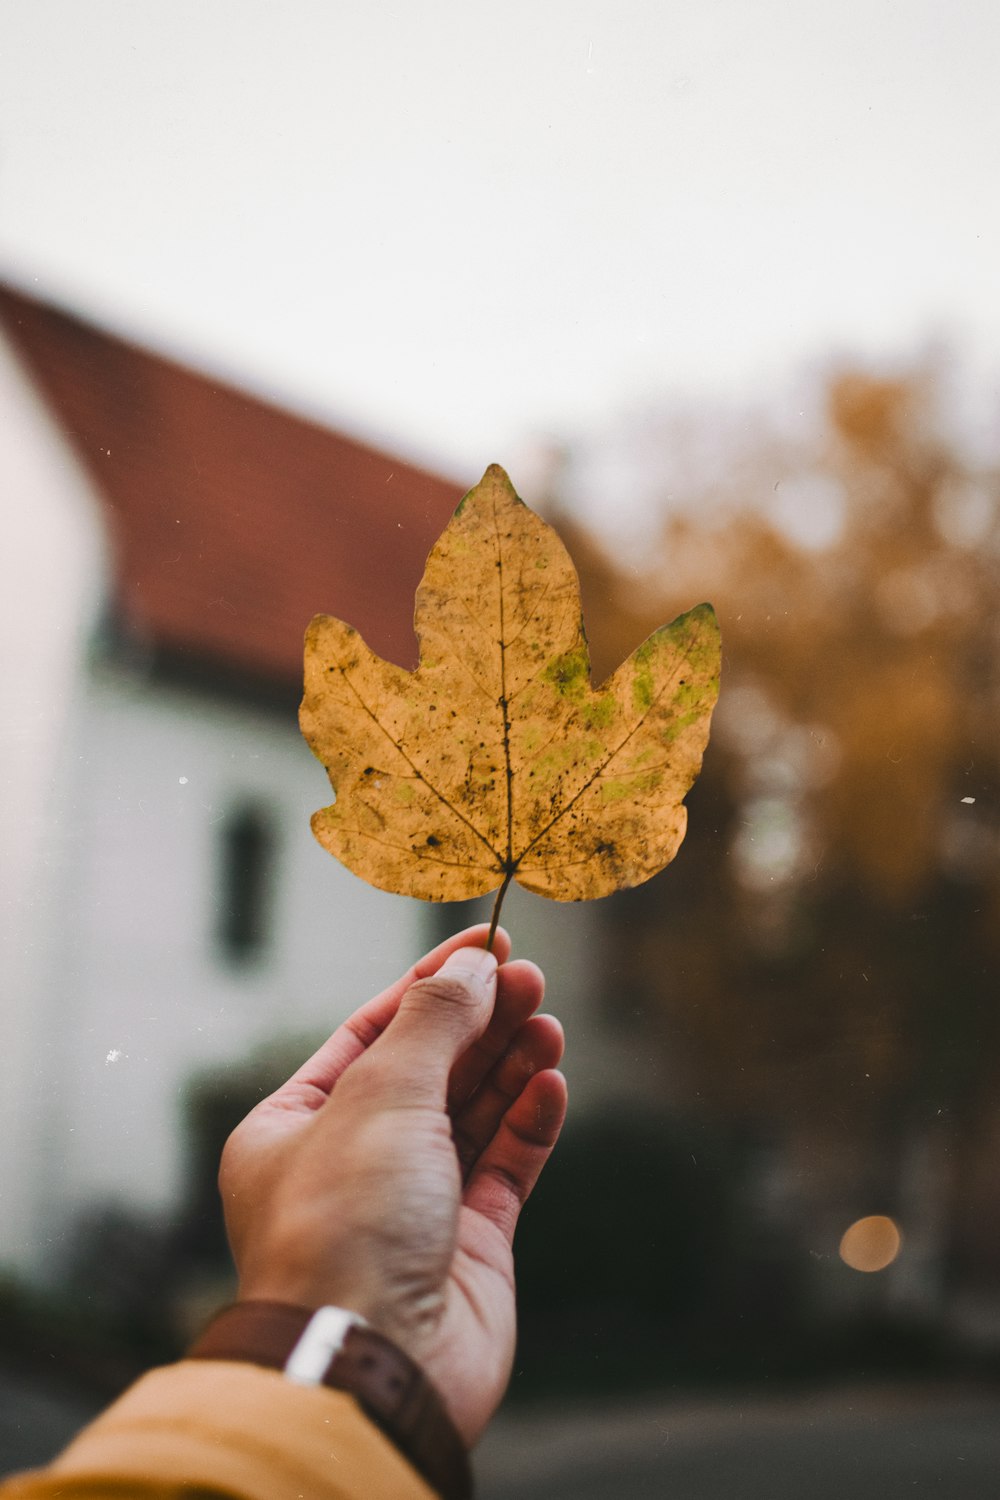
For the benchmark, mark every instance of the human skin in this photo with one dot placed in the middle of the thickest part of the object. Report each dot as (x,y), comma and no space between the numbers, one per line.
(387,1175)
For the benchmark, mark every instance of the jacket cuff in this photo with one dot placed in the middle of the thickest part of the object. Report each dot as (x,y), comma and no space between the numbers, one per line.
(243,1429)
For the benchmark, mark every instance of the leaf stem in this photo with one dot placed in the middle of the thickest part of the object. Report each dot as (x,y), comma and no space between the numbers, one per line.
(501,893)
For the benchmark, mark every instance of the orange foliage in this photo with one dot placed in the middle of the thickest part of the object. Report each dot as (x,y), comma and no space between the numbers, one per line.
(825,949)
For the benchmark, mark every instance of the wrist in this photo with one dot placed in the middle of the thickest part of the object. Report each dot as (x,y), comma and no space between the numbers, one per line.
(338,1349)
(407,1316)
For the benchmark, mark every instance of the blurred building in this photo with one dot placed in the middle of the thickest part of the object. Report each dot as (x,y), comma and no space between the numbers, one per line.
(164,906)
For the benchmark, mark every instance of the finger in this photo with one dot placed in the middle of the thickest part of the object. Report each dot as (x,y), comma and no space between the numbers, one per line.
(538,1045)
(510,1165)
(520,989)
(439,1017)
(311,1083)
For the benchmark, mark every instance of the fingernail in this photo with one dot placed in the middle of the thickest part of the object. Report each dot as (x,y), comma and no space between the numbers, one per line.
(471,961)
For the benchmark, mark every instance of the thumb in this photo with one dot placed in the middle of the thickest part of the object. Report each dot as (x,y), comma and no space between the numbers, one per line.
(439,1017)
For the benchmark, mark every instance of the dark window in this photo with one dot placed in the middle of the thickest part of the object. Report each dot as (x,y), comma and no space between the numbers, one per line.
(246,871)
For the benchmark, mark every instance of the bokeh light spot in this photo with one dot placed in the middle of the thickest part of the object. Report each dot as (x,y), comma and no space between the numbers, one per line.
(870,1244)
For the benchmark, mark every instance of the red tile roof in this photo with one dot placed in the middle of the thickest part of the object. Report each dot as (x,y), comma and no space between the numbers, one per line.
(232,521)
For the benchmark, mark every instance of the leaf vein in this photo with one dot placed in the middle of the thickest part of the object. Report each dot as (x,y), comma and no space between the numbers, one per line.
(556,632)
(667,686)
(504,704)
(418,853)
(460,661)
(416,769)
(542,592)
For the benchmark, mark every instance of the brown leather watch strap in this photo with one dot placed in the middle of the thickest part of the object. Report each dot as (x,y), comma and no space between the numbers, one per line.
(389,1387)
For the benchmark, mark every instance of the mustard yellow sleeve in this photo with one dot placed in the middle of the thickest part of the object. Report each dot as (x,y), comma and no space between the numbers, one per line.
(209,1428)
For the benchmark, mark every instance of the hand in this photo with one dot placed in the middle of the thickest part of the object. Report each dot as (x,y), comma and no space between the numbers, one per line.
(387,1174)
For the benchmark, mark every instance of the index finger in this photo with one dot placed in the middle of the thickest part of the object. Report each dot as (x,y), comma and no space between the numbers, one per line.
(357,1033)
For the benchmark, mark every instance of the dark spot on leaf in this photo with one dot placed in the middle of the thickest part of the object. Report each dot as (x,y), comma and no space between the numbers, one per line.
(433,841)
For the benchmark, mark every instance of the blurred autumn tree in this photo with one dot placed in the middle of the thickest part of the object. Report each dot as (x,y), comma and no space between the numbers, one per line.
(822,961)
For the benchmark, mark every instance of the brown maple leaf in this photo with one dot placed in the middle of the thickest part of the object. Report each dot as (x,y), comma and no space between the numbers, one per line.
(496,759)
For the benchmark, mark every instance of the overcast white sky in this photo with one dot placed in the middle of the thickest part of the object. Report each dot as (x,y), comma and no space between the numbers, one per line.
(454,224)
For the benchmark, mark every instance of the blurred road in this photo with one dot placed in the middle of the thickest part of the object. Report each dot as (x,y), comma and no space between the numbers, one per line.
(865,1444)
(36,1420)
(868,1444)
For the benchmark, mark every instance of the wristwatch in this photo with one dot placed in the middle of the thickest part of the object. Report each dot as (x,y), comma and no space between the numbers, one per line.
(336,1348)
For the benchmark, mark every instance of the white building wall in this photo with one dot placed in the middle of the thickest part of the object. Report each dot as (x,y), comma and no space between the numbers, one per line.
(51,576)
(146,998)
